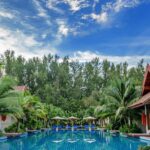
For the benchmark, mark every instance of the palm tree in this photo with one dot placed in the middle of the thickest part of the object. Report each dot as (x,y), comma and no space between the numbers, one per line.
(116,105)
(35,112)
(9,99)
(122,94)
(103,111)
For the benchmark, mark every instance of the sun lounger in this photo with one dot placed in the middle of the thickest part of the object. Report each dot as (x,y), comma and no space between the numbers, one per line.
(54,127)
(75,127)
(68,127)
(93,127)
(86,127)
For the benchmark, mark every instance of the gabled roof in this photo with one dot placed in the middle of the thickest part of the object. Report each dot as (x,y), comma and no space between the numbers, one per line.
(146,81)
(142,101)
(145,99)
(21,88)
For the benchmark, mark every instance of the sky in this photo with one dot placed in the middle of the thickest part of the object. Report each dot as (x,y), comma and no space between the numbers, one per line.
(117,30)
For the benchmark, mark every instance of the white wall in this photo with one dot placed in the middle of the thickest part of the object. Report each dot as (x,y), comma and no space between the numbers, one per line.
(4,124)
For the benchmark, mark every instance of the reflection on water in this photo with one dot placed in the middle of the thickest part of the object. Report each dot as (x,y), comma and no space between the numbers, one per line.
(68,140)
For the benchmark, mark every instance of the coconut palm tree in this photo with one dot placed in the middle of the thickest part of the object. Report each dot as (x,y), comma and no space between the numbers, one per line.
(123,93)
(103,111)
(35,112)
(116,105)
(9,99)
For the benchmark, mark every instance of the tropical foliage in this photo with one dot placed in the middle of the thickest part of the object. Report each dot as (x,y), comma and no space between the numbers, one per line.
(144,148)
(9,99)
(69,88)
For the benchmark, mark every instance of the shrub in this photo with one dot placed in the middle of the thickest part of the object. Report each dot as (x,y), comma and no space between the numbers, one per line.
(144,148)
(1,133)
(109,127)
(135,129)
(124,129)
(14,128)
(130,129)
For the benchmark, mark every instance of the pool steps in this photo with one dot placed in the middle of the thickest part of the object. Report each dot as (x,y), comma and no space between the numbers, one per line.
(3,138)
(145,138)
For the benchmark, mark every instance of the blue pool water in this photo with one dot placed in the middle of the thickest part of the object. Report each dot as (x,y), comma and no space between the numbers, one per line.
(68,140)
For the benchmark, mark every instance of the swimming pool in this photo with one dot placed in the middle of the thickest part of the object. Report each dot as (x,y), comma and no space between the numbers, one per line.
(68,140)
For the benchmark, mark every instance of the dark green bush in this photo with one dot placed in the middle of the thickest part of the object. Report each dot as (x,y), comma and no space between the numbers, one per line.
(15,128)
(1,133)
(144,148)
(135,129)
(124,129)
(130,129)
(109,127)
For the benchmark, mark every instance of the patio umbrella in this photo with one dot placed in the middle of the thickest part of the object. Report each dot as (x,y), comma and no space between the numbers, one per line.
(57,118)
(89,119)
(72,119)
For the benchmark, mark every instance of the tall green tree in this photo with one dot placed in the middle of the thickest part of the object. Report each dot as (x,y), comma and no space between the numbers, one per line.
(70,85)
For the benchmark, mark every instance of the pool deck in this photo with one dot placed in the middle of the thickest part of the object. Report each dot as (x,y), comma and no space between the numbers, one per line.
(138,135)
(145,138)
(12,134)
(142,136)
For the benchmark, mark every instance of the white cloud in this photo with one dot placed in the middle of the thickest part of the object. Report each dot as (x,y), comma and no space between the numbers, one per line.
(110,8)
(41,11)
(44,35)
(86,56)
(23,44)
(76,5)
(6,14)
(63,28)
(29,47)
(100,18)
(120,4)
(52,5)
(95,3)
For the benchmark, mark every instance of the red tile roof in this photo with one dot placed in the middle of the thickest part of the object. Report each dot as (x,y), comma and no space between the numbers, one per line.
(21,88)
(141,102)
(146,81)
(145,99)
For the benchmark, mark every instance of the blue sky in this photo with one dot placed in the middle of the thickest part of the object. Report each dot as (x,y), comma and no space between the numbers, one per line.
(117,30)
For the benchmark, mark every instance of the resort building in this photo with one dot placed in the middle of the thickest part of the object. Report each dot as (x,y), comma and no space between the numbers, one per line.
(143,104)
(21,88)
